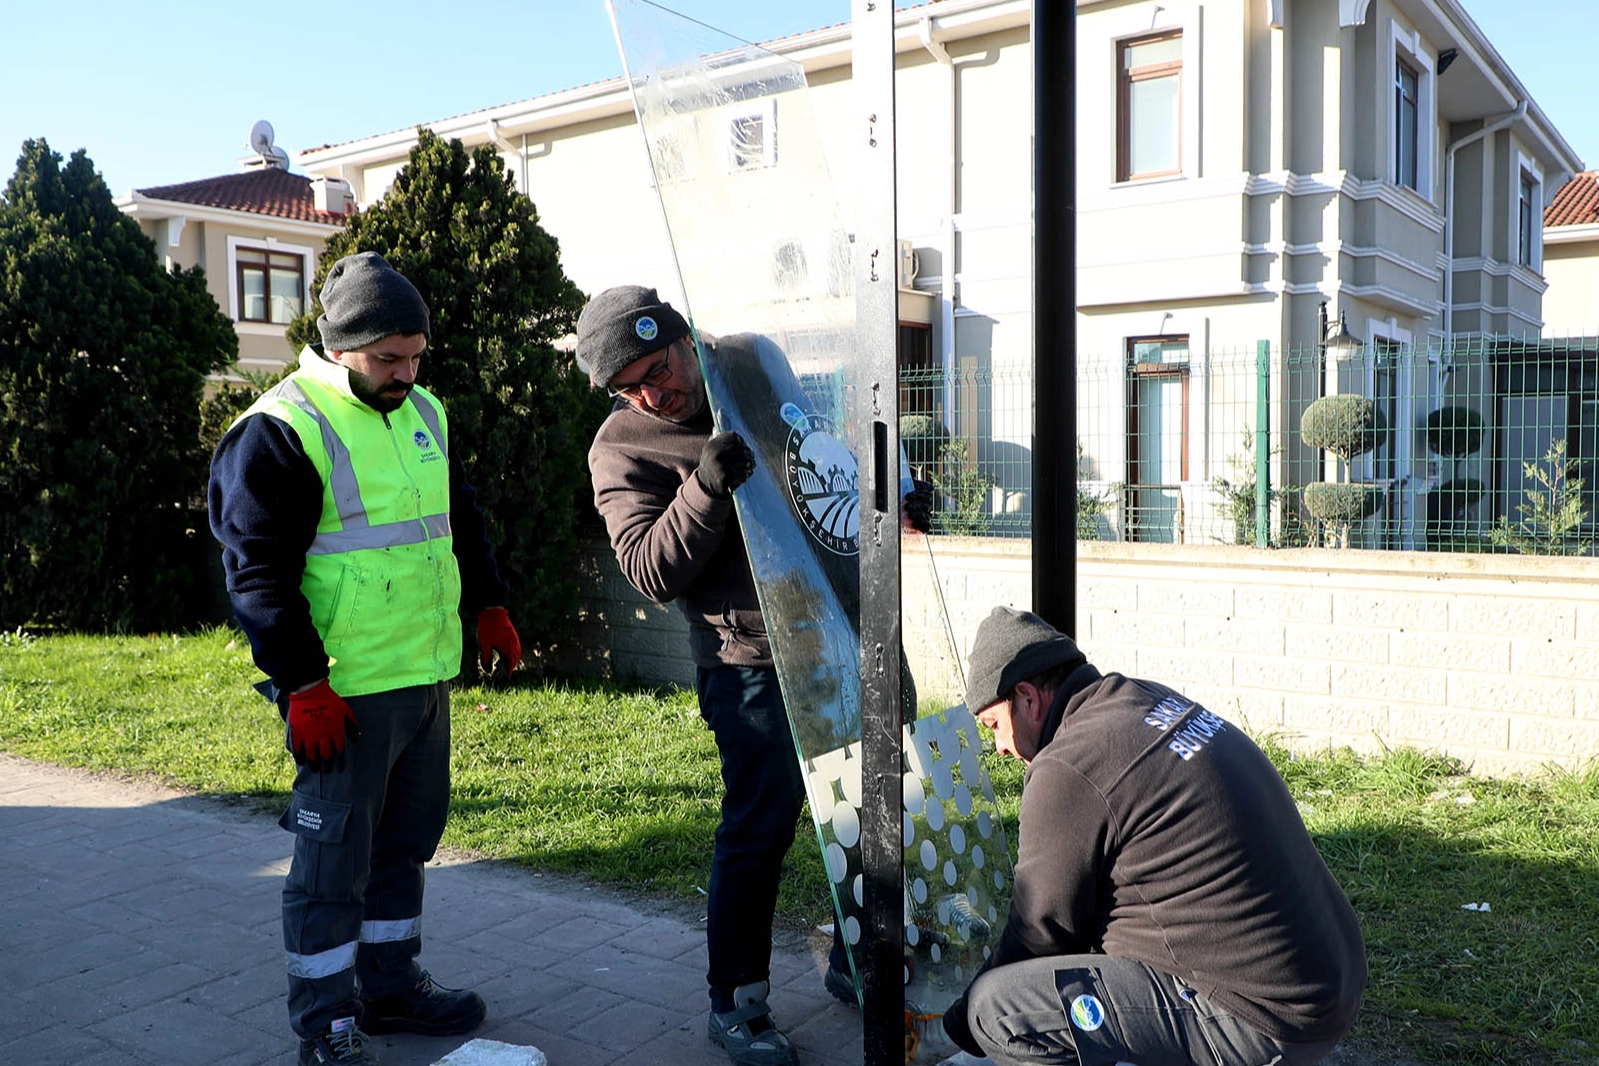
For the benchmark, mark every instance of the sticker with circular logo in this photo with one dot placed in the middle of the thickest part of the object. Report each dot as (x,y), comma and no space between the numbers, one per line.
(823,481)
(421,439)
(1087,1014)
(646,328)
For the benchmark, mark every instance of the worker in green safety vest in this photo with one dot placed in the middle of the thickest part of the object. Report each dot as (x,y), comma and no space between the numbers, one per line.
(352,543)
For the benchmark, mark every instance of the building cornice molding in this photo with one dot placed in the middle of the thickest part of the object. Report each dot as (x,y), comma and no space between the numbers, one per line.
(137,205)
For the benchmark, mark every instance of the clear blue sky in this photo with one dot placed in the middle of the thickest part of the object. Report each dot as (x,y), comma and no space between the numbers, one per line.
(166,90)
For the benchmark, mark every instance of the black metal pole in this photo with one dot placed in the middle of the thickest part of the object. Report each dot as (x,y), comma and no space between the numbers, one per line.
(1054,38)
(877,445)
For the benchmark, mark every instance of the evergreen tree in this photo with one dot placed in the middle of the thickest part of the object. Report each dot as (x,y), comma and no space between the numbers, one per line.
(103,357)
(521,414)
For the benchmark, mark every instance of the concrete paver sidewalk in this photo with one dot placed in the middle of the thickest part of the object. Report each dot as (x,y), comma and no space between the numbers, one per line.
(139,927)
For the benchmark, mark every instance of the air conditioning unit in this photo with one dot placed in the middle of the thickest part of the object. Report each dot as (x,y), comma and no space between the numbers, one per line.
(907,265)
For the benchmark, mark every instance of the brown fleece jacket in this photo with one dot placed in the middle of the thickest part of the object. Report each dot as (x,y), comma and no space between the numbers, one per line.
(675,541)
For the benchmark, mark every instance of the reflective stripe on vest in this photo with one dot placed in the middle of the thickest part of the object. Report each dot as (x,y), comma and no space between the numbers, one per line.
(358,533)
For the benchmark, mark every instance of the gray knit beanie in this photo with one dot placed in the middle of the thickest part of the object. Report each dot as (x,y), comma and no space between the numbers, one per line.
(1010,647)
(364,300)
(622,325)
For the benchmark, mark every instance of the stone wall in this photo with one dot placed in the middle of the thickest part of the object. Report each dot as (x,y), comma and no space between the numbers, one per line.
(1492,659)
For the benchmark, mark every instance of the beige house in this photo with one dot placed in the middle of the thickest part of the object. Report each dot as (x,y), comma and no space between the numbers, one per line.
(1571,260)
(258,234)
(1241,164)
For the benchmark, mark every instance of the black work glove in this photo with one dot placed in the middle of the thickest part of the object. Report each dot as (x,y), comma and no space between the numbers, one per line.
(918,506)
(726,462)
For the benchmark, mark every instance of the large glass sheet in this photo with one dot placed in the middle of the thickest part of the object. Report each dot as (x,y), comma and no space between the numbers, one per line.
(765,265)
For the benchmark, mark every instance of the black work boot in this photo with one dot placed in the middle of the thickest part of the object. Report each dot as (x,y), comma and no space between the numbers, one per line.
(342,1045)
(428,1008)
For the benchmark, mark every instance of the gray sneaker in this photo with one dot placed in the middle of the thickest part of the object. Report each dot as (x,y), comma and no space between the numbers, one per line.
(746,1032)
(342,1045)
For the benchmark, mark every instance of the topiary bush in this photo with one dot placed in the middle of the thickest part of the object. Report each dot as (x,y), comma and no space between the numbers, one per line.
(923,437)
(1339,502)
(1454,431)
(1347,426)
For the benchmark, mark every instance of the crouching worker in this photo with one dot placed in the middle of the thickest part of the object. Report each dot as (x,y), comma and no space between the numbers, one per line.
(351,542)
(1169,905)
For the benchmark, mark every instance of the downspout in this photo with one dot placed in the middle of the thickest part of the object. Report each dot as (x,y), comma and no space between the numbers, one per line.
(491,127)
(1449,209)
(946,251)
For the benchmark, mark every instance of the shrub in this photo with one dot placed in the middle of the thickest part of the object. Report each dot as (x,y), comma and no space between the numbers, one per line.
(103,358)
(521,414)
(1347,426)
(923,437)
(1339,502)
(1454,432)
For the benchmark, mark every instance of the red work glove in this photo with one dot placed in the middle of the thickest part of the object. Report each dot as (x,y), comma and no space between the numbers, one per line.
(319,724)
(495,633)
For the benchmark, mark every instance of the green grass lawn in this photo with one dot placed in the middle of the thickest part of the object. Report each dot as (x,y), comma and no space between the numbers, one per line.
(620,785)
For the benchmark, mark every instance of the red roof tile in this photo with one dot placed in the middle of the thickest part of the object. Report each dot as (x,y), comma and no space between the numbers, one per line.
(1577,202)
(266,191)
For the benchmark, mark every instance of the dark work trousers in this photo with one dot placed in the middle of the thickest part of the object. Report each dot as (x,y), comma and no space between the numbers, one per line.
(352,903)
(1095,1010)
(761,796)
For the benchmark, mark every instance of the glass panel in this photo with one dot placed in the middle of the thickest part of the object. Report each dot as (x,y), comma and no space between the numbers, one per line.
(253,297)
(1405,148)
(1157,497)
(765,265)
(285,295)
(1155,117)
(1163,350)
(1148,53)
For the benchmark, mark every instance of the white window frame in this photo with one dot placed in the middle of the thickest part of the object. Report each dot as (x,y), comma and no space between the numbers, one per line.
(1525,165)
(1136,22)
(307,256)
(764,109)
(1409,46)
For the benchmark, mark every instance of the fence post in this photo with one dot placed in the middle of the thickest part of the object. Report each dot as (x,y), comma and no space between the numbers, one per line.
(1262,444)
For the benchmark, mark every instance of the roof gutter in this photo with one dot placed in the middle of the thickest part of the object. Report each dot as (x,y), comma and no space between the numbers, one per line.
(1449,206)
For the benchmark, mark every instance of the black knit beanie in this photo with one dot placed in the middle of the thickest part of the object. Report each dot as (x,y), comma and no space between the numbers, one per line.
(364,300)
(1010,647)
(622,325)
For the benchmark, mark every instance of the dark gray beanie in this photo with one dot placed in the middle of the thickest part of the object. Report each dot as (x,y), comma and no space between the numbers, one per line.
(364,300)
(1010,647)
(622,325)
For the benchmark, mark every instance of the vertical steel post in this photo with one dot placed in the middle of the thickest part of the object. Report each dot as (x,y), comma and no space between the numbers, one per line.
(1263,444)
(1054,38)
(876,322)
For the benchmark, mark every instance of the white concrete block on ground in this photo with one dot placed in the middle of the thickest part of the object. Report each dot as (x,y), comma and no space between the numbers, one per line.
(493,1053)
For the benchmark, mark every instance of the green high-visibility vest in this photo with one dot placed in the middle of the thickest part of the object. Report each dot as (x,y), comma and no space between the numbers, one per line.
(380,576)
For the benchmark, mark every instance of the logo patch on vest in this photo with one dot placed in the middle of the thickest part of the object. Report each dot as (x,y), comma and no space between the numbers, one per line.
(646,328)
(823,481)
(421,439)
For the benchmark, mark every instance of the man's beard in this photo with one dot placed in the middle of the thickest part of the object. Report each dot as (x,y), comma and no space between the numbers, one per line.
(367,391)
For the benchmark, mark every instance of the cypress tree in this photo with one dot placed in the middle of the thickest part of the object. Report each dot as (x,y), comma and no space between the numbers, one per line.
(521,414)
(103,358)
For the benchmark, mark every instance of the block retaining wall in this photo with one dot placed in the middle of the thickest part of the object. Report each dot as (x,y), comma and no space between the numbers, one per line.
(1491,659)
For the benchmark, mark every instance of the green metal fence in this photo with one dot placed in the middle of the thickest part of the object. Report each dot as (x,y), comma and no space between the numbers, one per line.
(1480,445)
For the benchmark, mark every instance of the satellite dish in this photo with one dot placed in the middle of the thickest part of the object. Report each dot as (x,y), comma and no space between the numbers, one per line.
(277,156)
(261,138)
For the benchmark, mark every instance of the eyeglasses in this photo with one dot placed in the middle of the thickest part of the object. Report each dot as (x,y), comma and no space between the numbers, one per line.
(656,378)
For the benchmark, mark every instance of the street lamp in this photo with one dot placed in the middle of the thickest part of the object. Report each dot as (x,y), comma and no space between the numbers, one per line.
(1338,341)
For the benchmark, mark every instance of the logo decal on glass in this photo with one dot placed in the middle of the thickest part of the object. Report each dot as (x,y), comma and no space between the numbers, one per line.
(823,481)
